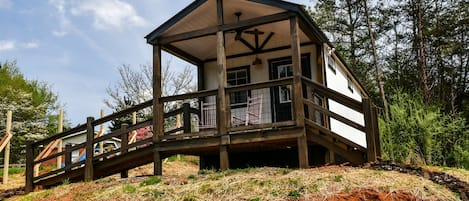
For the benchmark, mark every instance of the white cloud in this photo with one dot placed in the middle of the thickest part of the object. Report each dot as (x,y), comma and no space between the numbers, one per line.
(64,22)
(5,3)
(30,45)
(60,33)
(6,45)
(110,14)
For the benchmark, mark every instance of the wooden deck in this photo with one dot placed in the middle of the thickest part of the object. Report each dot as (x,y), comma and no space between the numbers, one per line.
(298,133)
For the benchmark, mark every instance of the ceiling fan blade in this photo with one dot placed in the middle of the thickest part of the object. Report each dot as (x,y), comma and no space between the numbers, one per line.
(255,31)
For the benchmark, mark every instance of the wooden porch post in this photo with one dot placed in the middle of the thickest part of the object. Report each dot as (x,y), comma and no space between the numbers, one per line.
(158,126)
(370,141)
(89,171)
(298,106)
(222,106)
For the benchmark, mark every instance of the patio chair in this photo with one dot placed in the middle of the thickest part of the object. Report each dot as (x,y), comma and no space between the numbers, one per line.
(208,115)
(253,113)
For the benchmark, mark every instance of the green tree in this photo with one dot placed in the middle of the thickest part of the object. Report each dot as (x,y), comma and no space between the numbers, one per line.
(31,102)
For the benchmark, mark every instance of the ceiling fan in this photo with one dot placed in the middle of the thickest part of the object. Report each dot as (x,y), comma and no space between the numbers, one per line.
(256,32)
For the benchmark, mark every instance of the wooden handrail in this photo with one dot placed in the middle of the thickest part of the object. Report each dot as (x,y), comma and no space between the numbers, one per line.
(123,113)
(335,115)
(191,95)
(334,95)
(75,130)
(260,85)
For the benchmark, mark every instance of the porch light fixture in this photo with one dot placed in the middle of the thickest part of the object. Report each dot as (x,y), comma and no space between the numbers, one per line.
(257,61)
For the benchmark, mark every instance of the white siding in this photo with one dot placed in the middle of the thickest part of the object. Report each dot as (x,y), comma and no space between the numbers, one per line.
(338,81)
(258,73)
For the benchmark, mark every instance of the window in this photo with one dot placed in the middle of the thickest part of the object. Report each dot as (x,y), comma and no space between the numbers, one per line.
(285,91)
(350,84)
(331,64)
(235,77)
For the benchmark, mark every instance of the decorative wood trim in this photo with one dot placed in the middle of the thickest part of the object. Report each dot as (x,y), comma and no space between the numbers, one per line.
(259,52)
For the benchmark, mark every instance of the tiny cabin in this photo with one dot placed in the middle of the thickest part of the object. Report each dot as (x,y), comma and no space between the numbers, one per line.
(272,68)
(271,92)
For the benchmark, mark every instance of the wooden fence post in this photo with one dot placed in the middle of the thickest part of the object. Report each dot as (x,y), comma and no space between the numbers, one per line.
(124,143)
(89,174)
(6,159)
(29,186)
(370,141)
(68,158)
(101,131)
(60,129)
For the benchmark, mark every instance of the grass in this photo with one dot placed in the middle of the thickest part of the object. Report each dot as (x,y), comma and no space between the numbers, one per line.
(181,181)
(248,184)
(13,170)
(151,181)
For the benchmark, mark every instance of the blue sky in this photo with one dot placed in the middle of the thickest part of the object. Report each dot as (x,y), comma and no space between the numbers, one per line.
(77,45)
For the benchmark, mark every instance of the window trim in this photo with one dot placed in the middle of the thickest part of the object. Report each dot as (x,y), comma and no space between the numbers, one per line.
(331,64)
(247,68)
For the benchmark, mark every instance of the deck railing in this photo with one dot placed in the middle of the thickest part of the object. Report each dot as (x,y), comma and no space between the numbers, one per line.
(315,101)
(186,109)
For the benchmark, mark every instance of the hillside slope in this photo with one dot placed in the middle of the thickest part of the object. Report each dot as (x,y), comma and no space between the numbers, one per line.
(182,182)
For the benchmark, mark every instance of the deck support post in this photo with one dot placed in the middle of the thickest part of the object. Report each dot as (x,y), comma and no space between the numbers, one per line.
(89,172)
(29,186)
(158,126)
(298,106)
(370,140)
(224,158)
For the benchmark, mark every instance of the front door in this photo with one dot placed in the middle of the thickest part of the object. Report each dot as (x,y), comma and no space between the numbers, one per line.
(281,96)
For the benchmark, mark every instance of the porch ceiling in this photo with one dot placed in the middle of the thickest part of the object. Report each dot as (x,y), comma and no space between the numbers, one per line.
(206,15)
(205,47)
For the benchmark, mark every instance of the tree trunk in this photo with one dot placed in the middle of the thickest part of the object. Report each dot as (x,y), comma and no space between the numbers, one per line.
(421,57)
(379,75)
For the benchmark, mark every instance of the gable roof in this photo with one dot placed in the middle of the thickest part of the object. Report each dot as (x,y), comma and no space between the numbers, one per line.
(288,6)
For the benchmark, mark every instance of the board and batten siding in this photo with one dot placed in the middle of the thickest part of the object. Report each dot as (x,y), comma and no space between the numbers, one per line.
(340,81)
(258,73)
